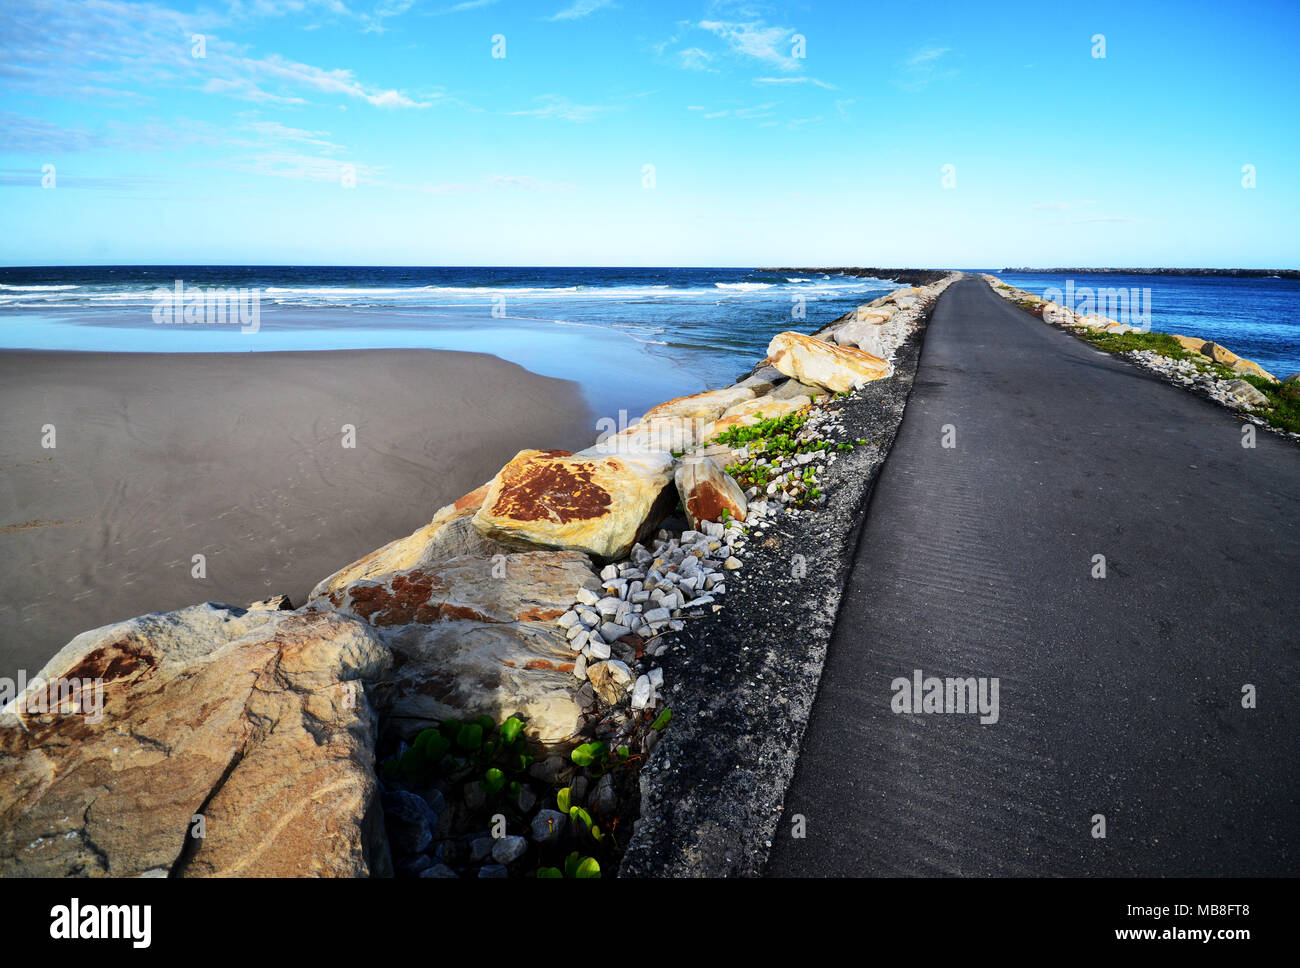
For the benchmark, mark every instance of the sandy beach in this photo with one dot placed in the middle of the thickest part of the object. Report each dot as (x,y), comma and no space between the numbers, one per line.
(240,458)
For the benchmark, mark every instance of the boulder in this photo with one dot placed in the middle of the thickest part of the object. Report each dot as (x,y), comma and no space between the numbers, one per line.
(763,380)
(867,336)
(769,407)
(837,368)
(597,505)
(789,390)
(1245,396)
(530,586)
(707,405)
(651,435)
(1292,379)
(1243,365)
(1219,354)
(1192,344)
(706,490)
(462,669)
(260,721)
(447,535)
(276,603)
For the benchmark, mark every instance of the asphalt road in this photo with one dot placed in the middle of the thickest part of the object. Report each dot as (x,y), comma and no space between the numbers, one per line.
(1118,696)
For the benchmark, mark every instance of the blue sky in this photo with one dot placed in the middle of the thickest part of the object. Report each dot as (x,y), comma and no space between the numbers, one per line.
(760,156)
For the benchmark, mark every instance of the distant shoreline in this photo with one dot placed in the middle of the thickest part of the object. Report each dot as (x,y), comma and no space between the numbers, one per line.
(1231,273)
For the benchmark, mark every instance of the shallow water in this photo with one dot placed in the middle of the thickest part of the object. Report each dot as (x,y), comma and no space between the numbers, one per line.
(631,337)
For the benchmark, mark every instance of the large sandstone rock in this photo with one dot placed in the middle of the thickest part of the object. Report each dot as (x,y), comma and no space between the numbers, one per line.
(532,586)
(706,491)
(751,412)
(1219,354)
(763,380)
(837,368)
(866,335)
(478,635)
(259,721)
(651,435)
(1243,365)
(462,669)
(707,405)
(597,505)
(1192,344)
(447,535)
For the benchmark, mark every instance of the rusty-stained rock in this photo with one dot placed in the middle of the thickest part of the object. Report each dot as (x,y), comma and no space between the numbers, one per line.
(597,505)
(448,535)
(260,721)
(836,368)
(533,586)
(706,490)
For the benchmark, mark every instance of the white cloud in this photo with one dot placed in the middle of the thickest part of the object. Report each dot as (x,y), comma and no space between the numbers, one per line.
(557,106)
(772,45)
(795,80)
(580,8)
(924,67)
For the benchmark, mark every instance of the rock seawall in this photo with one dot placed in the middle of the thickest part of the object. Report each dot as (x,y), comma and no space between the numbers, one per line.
(495,680)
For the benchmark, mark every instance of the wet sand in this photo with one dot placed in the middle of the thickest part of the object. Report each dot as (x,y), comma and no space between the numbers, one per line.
(238,457)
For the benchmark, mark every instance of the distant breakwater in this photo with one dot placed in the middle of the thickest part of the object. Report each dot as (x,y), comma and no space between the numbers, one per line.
(911,277)
(1232,273)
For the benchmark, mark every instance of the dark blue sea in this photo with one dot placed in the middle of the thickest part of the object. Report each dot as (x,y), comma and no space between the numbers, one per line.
(1255,318)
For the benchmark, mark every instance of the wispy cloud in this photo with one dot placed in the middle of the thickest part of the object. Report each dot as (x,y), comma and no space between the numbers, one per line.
(581,8)
(467,5)
(695,59)
(106,48)
(558,106)
(924,67)
(756,39)
(795,80)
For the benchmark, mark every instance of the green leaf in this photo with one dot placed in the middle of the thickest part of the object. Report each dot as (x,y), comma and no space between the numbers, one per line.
(550,872)
(596,835)
(494,781)
(413,763)
(470,737)
(571,864)
(588,868)
(577,813)
(433,744)
(624,752)
(511,730)
(585,754)
(562,799)
(485,723)
(663,719)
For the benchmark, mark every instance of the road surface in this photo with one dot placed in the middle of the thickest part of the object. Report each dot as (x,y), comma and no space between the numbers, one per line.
(1119,697)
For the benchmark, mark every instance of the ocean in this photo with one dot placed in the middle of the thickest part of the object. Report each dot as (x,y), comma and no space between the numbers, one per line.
(1255,318)
(631,337)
